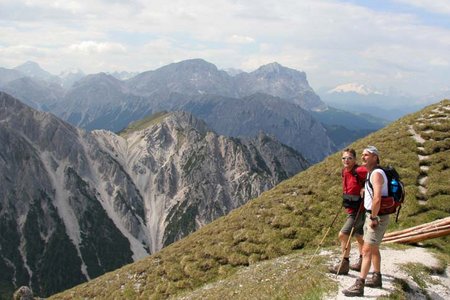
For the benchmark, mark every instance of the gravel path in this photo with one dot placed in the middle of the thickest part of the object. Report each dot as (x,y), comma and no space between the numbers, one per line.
(390,269)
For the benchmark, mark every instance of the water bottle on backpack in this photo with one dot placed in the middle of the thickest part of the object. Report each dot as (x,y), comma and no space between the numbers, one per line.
(394,185)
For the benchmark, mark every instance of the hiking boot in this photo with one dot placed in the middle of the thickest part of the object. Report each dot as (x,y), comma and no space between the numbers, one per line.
(356,266)
(344,268)
(356,290)
(375,281)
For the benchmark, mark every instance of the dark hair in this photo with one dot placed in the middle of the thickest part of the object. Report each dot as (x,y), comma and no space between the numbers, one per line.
(350,150)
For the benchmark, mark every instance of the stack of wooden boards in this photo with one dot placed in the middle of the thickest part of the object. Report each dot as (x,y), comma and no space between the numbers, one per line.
(419,233)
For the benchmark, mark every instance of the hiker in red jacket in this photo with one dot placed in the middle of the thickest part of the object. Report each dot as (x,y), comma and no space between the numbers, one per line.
(353,178)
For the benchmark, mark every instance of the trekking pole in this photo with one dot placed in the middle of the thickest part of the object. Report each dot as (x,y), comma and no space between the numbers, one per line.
(349,239)
(326,233)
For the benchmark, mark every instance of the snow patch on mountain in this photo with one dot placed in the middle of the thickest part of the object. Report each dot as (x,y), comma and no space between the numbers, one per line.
(354,88)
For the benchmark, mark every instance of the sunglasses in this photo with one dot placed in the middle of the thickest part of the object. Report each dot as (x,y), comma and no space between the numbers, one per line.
(347,158)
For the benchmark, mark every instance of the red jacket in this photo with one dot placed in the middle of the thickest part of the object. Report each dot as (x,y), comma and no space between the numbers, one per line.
(353,181)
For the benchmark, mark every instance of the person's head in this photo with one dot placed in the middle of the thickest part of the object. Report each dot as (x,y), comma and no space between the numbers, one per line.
(349,158)
(370,157)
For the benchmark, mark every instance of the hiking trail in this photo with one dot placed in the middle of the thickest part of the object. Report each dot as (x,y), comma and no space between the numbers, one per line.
(434,118)
(437,286)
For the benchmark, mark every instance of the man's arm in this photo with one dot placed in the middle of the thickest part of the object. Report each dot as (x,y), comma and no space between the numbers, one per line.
(377,183)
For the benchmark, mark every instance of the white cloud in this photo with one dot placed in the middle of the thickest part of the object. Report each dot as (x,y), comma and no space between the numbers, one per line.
(239,39)
(91,47)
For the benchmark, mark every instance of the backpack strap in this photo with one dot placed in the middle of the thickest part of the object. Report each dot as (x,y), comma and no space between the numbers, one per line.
(358,179)
(368,179)
(398,212)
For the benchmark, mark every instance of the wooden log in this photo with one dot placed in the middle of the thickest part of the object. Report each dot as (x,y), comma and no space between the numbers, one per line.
(437,222)
(420,231)
(420,237)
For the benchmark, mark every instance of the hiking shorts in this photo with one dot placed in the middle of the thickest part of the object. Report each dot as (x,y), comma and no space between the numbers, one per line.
(359,224)
(374,236)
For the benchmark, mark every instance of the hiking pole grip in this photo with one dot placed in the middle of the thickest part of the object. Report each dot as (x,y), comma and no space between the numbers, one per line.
(326,233)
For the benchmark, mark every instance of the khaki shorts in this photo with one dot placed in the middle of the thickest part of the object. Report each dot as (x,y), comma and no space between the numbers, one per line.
(375,235)
(359,224)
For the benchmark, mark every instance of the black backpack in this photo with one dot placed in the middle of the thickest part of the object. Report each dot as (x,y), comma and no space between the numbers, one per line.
(396,191)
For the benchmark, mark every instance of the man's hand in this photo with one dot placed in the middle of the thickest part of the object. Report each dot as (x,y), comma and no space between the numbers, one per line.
(374,223)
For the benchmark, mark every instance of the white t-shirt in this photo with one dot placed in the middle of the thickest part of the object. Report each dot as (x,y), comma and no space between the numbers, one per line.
(368,194)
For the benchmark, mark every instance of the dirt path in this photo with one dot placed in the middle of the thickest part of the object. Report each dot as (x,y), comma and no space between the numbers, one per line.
(423,176)
(438,287)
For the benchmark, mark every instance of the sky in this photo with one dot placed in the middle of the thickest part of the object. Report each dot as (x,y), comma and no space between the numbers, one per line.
(397,44)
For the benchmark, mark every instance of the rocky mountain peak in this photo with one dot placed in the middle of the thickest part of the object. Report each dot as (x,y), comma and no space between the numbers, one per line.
(186,120)
(276,69)
(191,77)
(32,69)
(99,79)
(176,120)
(277,80)
(194,65)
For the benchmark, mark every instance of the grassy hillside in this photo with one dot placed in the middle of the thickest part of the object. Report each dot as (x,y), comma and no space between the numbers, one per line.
(144,123)
(292,218)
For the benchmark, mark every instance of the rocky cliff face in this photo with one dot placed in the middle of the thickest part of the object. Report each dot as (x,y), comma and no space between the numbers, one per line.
(190,77)
(74,205)
(61,202)
(275,80)
(189,175)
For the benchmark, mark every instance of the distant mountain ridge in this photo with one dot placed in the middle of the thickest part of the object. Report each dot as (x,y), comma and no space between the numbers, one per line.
(77,204)
(101,101)
(359,98)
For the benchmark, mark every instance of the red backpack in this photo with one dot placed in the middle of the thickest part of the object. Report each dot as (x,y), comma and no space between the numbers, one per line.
(396,192)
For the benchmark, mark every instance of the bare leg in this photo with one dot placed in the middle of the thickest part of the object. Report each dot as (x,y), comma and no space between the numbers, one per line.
(344,239)
(367,258)
(376,258)
(360,240)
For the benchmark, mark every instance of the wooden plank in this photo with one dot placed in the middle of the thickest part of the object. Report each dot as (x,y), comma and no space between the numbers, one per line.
(420,237)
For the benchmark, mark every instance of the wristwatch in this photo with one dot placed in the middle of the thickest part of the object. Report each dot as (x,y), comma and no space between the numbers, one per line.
(375,218)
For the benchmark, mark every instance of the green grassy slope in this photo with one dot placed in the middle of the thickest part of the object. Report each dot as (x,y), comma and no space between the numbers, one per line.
(291,218)
(144,123)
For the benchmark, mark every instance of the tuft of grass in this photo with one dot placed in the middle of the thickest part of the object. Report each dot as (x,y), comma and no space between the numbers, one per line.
(401,291)
(420,273)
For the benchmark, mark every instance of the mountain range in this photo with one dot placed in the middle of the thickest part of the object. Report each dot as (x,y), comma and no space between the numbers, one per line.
(76,204)
(102,101)
(389,104)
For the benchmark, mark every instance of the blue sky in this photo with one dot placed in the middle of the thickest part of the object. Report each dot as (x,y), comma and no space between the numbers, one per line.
(401,44)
